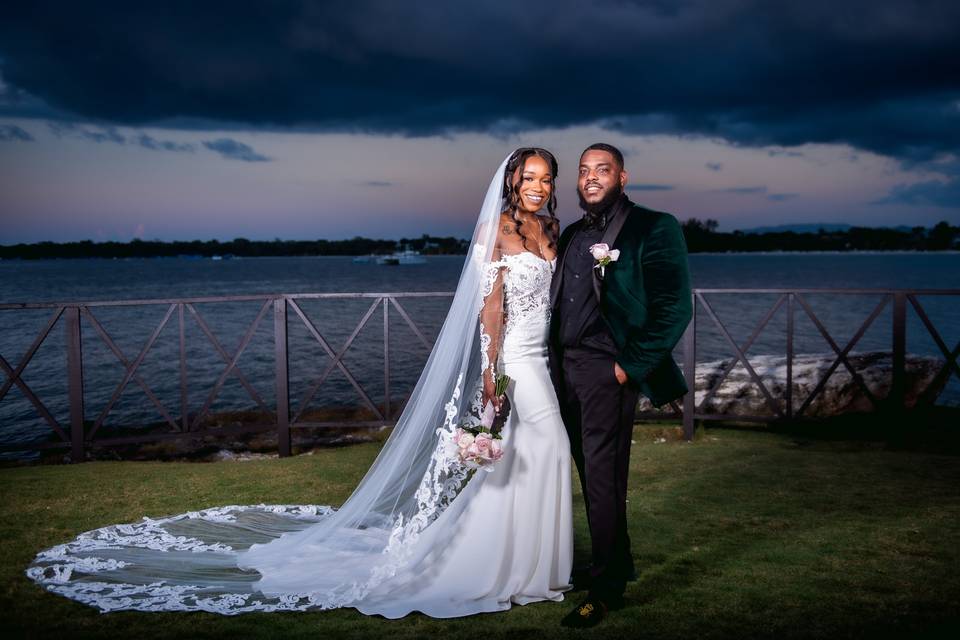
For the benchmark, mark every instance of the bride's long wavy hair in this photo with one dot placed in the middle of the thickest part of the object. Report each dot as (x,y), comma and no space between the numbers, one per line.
(511,192)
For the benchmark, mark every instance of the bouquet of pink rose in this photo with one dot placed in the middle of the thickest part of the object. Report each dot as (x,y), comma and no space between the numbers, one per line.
(478,447)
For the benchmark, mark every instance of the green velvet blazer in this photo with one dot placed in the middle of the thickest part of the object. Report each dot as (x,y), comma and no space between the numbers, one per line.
(645,296)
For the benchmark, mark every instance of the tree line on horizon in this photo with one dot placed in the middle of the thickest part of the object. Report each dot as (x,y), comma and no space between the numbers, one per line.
(701,236)
(239,247)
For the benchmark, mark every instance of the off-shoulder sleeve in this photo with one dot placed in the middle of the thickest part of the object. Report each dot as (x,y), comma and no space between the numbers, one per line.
(491,314)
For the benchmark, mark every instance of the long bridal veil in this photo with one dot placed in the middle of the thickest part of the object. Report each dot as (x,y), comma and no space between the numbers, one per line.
(234,559)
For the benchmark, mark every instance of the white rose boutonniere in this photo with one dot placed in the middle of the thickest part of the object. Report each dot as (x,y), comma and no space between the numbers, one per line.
(604,255)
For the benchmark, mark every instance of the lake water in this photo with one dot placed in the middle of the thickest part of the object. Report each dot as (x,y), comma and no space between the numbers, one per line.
(130,327)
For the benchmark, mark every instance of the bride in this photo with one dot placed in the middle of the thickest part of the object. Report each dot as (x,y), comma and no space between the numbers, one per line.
(421,532)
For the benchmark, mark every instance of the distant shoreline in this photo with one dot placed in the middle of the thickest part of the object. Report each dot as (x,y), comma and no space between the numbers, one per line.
(700,236)
(811,252)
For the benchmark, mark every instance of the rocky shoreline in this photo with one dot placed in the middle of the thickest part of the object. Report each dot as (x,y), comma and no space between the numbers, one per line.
(738,395)
(223,437)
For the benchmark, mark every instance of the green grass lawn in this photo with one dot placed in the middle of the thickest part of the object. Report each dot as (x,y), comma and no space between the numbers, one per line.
(740,534)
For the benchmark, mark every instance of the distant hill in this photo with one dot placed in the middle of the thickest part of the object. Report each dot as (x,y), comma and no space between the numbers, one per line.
(812,227)
(703,235)
(815,227)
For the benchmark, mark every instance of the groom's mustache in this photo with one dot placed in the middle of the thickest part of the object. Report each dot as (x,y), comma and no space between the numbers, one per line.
(603,204)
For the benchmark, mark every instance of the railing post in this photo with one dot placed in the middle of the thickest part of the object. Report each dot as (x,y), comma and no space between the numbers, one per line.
(184,404)
(690,373)
(790,329)
(898,384)
(75,383)
(386,358)
(282,375)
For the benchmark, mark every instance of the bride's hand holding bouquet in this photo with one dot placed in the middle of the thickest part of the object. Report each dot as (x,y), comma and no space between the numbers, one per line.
(496,407)
(478,447)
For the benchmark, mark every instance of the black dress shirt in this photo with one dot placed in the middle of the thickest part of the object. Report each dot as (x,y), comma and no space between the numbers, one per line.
(581,324)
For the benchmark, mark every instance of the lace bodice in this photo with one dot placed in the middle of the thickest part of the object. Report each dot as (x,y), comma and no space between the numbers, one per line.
(526,290)
(516,298)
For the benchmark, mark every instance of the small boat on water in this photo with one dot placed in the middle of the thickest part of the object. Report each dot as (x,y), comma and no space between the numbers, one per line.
(407,256)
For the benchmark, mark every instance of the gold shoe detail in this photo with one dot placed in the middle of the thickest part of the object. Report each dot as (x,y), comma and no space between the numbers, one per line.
(586,610)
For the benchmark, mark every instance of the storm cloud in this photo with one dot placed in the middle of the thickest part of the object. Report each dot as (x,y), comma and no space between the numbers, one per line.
(880,75)
(939,193)
(149,142)
(743,191)
(650,187)
(782,197)
(101,135)
(234,150)
(10,132)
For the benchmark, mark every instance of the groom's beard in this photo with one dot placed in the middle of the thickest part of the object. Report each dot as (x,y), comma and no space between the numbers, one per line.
(593,212)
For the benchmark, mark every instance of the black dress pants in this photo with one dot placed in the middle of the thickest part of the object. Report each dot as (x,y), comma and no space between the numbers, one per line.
(598,413)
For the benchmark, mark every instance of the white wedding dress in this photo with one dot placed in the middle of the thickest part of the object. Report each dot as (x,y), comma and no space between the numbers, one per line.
(508,537)
(474,544)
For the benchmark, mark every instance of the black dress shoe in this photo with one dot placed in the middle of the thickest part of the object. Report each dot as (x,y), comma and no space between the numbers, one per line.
(587,614)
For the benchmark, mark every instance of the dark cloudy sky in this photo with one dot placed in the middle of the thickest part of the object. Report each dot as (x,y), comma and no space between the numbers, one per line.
(303,119)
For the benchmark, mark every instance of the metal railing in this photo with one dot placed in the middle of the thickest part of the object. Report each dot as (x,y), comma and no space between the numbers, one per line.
(80,433)
(794,300)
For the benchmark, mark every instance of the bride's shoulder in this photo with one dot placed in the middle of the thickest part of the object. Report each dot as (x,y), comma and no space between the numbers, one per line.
(505,231)
(508,227)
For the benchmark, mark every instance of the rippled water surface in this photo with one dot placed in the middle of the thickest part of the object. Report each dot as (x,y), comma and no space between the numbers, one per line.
(130,327)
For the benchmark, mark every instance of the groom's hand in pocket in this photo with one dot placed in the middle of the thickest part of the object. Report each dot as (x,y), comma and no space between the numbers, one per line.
(620,373)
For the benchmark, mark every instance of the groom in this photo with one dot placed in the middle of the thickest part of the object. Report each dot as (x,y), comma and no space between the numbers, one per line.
(611,336)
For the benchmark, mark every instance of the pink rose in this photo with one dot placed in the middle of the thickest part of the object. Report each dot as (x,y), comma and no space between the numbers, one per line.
(599,250)
(464,438)
(482,443)
(603,254)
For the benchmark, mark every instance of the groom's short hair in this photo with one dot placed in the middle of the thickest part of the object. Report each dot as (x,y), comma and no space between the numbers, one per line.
(609,148)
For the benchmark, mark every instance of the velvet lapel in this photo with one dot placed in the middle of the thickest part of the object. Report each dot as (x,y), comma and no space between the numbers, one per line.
(619,217)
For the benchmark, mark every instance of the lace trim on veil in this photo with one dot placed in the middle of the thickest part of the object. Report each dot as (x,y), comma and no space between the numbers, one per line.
(445,476)
(68,569)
